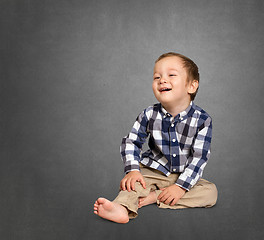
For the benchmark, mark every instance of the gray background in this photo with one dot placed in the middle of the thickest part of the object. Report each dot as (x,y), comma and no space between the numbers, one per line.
(75,75)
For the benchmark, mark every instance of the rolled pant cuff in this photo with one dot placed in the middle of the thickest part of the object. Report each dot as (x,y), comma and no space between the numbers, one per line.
(132,212)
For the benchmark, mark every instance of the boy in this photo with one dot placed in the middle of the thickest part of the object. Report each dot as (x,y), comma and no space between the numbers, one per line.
(169,173)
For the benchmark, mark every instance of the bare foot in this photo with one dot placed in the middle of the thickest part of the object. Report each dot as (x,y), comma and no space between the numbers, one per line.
(151,198)
(111,211)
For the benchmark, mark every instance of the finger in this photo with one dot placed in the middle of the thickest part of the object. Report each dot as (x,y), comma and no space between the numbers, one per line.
(162,194)
(164,197)
(168,200)
(174,202)
(123,184)
(128,185)
(132,182)
(143,183)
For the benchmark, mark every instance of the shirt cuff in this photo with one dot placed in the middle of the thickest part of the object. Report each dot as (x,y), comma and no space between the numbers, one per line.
(183,184)
(133,166)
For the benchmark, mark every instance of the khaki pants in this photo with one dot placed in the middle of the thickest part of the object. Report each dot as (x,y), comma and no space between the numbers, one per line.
(203,194)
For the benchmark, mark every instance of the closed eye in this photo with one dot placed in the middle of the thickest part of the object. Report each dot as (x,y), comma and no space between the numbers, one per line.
(172,75)
(155,78)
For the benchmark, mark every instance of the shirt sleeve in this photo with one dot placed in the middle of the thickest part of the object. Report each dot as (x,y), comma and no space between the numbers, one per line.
(132,144)
(199,157)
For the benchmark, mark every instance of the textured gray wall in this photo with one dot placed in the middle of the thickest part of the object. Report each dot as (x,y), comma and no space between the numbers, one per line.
(74,76)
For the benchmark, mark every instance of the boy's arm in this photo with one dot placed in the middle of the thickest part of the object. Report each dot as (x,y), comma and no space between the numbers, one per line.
(130,152)
(198,160)
(132,144)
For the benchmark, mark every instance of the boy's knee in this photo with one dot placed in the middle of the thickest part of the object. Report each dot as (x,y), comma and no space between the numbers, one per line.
(138,186)
(212,194)
(140,190)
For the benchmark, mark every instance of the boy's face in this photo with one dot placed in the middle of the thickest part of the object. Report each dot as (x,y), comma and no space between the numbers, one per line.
(170,85)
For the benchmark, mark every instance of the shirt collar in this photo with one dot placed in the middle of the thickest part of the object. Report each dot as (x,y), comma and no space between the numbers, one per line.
(164,111)
(182,115)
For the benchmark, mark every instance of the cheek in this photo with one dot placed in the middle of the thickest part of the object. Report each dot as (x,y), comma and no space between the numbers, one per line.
(154,89)
(179,85)
(154,86)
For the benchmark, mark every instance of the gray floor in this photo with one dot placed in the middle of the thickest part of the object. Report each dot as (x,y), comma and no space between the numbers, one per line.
(59,215)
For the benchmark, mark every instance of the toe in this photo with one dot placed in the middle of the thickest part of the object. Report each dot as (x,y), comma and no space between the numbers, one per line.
(100,201)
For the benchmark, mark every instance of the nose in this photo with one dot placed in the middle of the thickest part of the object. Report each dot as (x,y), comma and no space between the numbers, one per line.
(163,80)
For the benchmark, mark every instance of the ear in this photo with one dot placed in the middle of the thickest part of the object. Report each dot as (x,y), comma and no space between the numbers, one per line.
(193,86)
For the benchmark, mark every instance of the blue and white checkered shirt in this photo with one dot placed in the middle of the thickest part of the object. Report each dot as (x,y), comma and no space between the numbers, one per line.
(178,144)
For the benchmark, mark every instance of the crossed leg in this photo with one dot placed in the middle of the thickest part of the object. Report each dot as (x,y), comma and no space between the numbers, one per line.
(150,199)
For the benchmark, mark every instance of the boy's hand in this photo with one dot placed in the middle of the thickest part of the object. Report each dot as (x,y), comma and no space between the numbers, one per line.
(128,182)
(171,195)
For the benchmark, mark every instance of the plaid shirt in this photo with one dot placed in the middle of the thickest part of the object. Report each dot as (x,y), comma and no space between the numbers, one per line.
(178,144)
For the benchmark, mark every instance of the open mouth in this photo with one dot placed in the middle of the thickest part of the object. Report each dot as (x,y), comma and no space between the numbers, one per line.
(165,89)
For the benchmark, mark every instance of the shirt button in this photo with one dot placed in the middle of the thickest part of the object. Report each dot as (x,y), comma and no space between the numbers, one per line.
(174,140)
(174,155)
